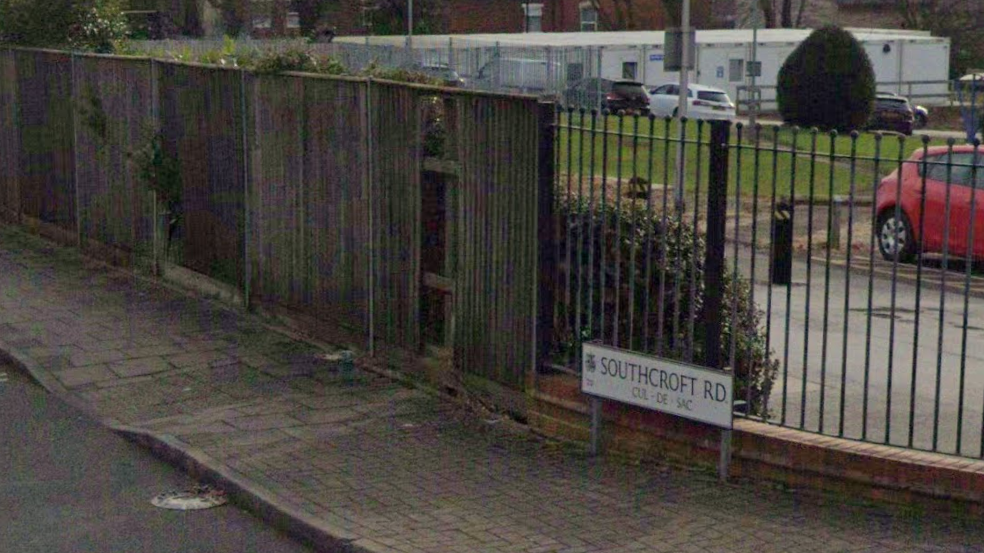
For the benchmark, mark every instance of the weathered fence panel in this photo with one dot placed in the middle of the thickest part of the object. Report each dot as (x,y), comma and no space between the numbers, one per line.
(9,138)
(115,119)
(309,220)
(202,125)
(395,191)
(47,160)
(497,246)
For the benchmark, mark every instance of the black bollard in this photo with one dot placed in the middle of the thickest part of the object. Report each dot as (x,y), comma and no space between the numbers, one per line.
(782,244)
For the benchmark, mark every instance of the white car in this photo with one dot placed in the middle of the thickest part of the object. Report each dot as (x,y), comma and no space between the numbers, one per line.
(705,102)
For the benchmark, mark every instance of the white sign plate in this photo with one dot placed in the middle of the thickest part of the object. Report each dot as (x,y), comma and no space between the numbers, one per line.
(688,391)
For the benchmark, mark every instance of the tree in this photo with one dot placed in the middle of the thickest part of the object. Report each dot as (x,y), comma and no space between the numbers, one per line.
(389,17)
(827,82)
(184,15)
(960,20)
(311,13)
(235,15)
(781,13)
(97,25)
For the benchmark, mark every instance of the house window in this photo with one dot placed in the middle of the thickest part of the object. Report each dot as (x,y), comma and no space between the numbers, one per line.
(736,71)
(534,17)
(629,70)
(575,72)
(293,20)
(589,17)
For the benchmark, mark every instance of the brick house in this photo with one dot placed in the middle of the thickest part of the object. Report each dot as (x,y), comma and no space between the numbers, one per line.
(817,13)
(876,14)
(634,15)
(352,17)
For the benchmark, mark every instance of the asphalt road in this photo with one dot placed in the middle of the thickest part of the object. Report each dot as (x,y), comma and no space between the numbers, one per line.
(829,344)
(69,485)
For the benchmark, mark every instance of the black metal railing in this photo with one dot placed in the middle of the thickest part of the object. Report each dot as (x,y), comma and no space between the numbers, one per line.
(870,334)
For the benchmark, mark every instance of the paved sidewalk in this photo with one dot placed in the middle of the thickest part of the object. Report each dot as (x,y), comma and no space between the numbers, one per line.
(391,468)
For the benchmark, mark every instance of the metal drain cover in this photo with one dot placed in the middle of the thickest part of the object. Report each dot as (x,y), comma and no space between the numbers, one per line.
(201,497)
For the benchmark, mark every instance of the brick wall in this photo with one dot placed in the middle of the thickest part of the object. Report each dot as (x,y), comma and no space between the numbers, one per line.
(817,13)
(484,16)
(884,17)
(764,451)
(565,15)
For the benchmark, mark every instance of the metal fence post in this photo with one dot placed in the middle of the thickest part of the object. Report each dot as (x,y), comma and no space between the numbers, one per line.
(717,207)
(547,266)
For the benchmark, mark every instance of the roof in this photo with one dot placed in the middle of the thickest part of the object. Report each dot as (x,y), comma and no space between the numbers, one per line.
(634,38)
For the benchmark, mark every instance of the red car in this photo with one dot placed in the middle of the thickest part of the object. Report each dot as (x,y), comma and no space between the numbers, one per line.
(903,234)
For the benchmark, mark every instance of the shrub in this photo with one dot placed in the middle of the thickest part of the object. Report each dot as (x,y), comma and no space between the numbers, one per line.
(827,82)
(684,250)
(296,60)
(101,26)
(97,25)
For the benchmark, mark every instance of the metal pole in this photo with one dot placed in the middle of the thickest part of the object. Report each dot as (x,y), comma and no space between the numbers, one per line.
(682,104)
(717,206)
(410,25)
(595,426)
(724,462)
(753,91)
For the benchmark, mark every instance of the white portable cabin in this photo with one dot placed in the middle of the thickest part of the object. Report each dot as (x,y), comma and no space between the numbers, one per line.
(911,63)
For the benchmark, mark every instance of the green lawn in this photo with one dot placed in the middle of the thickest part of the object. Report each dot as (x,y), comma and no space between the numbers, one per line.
(635,148)
(867,146)
(638,147)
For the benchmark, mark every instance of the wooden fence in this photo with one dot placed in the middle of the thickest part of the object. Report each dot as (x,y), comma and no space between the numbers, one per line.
(115,114)
(316,194)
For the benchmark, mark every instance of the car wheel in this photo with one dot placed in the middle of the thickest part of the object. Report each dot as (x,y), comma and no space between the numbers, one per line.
(895,236)
(921,121)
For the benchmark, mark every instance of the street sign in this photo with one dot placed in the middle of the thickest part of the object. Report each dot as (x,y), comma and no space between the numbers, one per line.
(673,49)
(688,391)
(655,57)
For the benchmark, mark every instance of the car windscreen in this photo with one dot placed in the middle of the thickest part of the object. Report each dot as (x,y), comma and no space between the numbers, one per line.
(709,96)
(895,104)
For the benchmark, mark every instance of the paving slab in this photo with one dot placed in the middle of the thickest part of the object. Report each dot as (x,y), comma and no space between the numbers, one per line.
(377,466)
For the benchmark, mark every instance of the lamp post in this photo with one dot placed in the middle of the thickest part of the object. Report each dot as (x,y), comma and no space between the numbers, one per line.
(410,25)
(682,102)
(753,72)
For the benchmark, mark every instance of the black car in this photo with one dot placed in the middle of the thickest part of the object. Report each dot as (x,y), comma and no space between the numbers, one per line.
(588,92)
(892,113)
(627,97)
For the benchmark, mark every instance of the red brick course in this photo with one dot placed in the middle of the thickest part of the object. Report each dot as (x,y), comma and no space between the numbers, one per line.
(792,457)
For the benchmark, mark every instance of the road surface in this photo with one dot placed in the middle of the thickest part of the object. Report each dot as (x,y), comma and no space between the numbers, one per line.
(69,485)
(894,346)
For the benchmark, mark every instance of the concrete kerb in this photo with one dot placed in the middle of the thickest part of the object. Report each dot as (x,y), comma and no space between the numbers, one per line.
(46,380)
(249,495)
